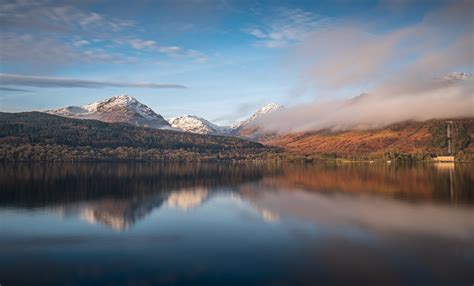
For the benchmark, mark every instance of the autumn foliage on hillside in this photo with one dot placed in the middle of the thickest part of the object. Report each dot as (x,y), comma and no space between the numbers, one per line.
(420,139)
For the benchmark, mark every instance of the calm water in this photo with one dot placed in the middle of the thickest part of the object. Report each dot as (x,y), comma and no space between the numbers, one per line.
(143,224)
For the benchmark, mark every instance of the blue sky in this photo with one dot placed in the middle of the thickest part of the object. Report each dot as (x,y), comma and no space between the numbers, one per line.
(232,56)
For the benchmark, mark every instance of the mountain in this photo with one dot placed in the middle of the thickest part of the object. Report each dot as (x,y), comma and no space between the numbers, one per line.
(456,76)
(264,110)
(195,124)
(249,128)
(127,109)
(414,138)
(122,108)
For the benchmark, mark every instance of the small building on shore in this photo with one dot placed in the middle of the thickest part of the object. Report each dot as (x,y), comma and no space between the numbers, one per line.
(444,158)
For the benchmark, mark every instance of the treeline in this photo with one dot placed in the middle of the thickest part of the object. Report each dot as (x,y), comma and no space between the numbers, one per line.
(63,153)
(36,136)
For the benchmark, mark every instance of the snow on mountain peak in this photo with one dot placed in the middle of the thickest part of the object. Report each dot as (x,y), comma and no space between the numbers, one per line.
(457,76)
(266,109)
(269,108)
(119,100)
(194,124)
(125,108)
(121,108)
(123,99)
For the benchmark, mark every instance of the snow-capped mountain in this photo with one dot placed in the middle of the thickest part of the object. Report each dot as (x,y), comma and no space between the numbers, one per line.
(454,76)
(250,128)
(122,108)
(195,124)
(264,110)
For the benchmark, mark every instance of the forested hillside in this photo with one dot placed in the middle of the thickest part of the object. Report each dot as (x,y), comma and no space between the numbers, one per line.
(36,136)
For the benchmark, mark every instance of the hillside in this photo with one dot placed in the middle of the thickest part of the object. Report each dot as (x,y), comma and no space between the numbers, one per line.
(419,139)
(36,136)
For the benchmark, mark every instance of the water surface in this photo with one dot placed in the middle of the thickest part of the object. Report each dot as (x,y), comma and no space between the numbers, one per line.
(236,224)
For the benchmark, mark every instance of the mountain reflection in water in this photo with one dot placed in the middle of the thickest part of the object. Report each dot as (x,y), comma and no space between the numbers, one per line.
(241,224)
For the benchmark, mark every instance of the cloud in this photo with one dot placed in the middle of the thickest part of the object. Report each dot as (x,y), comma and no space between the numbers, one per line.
(354,54)
(54,17)
(372,111)
(287,26)
(142,44)
(197,56)
(81,43)
(150,45)
(37,51)
(401,70)
(55,82)
(14,89)
(47,34)
(35,34)
(170,49)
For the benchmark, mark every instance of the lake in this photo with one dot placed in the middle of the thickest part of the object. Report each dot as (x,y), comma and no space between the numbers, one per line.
(236,224)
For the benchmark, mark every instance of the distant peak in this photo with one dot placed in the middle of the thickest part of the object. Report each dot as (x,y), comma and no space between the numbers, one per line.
(270,107)
(457,76)
(123,98)
(264,110)
(272,104)
(195,124)
(119,108)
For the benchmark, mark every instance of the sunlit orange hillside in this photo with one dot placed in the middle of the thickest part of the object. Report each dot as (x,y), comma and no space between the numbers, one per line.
(423,138)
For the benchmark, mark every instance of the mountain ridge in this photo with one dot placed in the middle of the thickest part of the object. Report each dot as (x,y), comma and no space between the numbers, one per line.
(127,109)
(121,108)
(262,111)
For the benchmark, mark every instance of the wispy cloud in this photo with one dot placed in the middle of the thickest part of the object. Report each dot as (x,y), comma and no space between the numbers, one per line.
(146,45)
(287,26)
(46,33)
(37,51)
(14,89)
(153,46)
(51,16)
(80,43)
(197,56)
(56,82)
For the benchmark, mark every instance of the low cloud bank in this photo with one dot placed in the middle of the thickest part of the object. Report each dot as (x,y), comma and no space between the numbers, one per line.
(371,111)
(406,72)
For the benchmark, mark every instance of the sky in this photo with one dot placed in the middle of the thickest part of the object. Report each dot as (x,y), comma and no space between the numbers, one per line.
(223,59)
